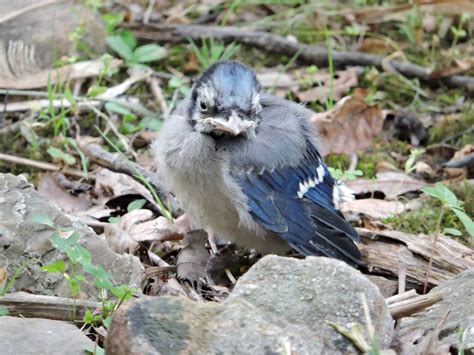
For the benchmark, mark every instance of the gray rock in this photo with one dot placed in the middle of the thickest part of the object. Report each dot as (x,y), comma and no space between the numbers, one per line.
(27,245)
(458,300)
(41,336)
(279,302)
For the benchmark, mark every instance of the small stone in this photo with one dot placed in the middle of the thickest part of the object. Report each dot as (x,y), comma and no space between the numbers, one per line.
(41,336)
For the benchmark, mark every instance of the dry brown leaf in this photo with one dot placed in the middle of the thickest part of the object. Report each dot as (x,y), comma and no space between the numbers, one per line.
(137,226)
(377,209)
(110,185)
(375,45)
(349,127)
(391,183)
(34,34)
(373,15)
(49,188)
(457,66)
(342,82)
(192,259)
(159,229)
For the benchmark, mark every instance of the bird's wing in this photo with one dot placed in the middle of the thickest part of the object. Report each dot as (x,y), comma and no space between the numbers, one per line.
(289,189)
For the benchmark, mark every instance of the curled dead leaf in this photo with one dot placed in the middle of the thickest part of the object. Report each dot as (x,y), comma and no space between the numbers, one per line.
(390,183)
(348,127)
(137,226)
(377,209)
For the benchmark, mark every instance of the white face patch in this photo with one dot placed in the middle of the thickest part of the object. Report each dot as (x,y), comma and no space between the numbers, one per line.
(207,93)
(256,102)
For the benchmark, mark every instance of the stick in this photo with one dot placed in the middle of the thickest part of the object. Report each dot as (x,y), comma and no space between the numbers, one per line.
(278,44)
(44,166)
(49,307)
(118,164)
(413,305)
(401,297)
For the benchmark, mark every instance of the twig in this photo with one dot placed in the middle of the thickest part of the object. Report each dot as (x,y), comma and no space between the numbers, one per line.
(158,93)
(45,166)
(401,297)
(273,43)
(118,164)
(49,307)
(413,305)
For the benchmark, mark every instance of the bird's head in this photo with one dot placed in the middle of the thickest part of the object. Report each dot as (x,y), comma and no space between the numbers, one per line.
(225,100)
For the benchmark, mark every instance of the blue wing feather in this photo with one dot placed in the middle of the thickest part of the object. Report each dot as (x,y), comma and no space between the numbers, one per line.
(309,223)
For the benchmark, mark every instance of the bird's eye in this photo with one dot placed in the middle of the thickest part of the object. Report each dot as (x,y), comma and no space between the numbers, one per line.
(203,106)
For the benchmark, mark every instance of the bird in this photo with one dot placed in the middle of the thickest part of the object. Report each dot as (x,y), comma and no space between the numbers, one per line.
(245,166)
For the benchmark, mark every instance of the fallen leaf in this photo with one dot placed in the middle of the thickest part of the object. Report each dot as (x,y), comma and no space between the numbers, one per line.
(138,226)
(390,183)
(342,82)
(377,209)
(374,15)
(349,127)
(29,47)
(50,189)
(111,186)
(456,66)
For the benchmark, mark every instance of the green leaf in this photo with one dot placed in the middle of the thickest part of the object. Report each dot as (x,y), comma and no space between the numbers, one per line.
(128,38)
(449,197)
(152,123)
(149,53)
(452,231)
(433,192)
(56,266)
(113,220)
(466,220)
(136,205)
(42,219)
(88,318)
(95,90)
(56,153)
(122,292)
(115,107)
(107,321)
(120,46)
(79,254)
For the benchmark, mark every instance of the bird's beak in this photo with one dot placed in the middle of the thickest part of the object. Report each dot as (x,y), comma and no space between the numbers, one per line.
(234,125)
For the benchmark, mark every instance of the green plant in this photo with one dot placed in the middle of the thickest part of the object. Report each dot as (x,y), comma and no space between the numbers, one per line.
(125,45)
(410,163)
(66,240)
(458,31)
(449,201)
(411,25)
(345,174)
(212,51)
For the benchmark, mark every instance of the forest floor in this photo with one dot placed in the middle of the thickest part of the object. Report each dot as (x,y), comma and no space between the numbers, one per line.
(391,85)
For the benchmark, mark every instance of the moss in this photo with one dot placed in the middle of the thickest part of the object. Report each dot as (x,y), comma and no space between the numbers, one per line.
(424,220)
(339,161)
(457,129)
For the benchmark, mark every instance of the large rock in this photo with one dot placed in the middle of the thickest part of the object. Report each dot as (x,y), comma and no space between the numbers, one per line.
(279,302)
(41,336)
(27,245)
(445,321)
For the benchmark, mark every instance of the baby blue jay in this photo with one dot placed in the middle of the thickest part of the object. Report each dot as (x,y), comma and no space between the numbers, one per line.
(245,166)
